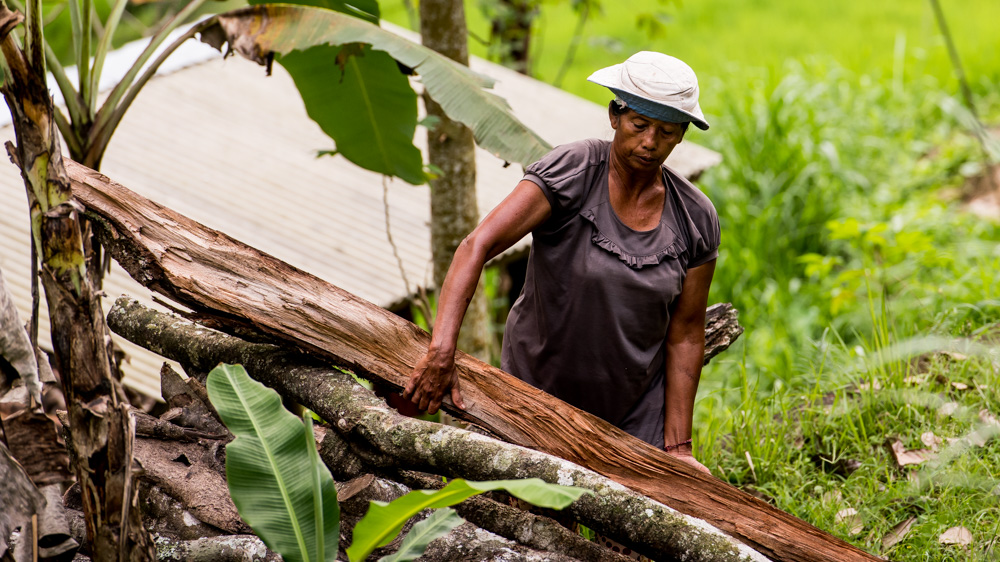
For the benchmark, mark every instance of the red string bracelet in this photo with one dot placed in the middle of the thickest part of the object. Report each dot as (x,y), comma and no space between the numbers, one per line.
(677,446)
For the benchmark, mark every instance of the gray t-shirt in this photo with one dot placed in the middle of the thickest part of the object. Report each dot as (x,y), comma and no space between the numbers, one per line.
(591,322)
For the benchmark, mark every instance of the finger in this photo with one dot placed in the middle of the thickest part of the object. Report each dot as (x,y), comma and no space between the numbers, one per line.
(432,408)
(424,401)
(456,397)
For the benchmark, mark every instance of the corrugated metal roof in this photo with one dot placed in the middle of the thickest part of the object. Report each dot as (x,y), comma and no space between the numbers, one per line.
(225,145)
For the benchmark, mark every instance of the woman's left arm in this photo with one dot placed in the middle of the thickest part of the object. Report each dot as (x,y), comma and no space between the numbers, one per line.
(685,353)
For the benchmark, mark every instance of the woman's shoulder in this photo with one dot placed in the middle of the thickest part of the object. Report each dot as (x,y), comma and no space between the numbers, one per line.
(568,161)
(589,149)
(698,218)
(694,200)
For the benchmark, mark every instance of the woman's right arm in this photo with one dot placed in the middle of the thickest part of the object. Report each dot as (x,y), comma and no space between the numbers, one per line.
(524,209)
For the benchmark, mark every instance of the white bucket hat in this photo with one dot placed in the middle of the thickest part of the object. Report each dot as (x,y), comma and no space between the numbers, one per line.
(655,85)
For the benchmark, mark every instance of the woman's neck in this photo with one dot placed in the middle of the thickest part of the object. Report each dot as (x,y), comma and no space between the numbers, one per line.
(631,182)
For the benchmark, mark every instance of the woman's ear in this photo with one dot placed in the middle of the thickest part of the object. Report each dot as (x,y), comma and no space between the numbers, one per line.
(615,119)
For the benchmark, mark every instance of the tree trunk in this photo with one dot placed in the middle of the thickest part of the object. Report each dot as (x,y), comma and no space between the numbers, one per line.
(220,278)
(451,150)
(382,438)
(101,429)
(510,32)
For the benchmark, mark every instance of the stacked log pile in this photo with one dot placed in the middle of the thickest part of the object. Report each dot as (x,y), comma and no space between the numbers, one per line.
(302,337)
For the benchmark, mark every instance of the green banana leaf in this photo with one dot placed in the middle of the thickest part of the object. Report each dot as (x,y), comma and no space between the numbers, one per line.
(276,479)
(437,524)
(384,521)
(365,104)
(258,31)
(359,98)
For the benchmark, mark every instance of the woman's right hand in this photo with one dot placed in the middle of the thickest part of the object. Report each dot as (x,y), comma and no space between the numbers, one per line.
(430,380)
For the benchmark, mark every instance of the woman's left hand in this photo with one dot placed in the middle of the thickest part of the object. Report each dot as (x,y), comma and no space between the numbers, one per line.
(687,458)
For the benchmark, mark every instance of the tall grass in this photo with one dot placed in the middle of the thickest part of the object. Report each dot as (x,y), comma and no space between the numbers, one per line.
(853,270)
(818,451)
(830,181)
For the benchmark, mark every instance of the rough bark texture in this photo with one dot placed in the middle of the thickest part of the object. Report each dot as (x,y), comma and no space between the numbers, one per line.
(535,531)
(219,277)
(529,529)
(380,436)
(167,516)
(451,149)
(466,542)
(186,472)
(19,498)
(100,427)
(16,348)
(229,548)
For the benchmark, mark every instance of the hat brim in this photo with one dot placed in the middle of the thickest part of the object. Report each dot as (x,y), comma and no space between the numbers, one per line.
(609,77)
(660,111)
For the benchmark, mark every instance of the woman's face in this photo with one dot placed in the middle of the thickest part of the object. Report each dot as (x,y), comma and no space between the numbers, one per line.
(643,143)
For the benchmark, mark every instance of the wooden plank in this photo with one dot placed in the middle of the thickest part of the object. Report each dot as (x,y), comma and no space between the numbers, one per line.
(219,276)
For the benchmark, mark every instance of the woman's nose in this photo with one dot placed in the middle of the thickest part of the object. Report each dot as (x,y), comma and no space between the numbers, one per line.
(649,139)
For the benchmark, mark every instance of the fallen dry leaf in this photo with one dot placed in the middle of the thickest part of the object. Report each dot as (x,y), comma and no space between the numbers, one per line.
(980,437)
(834,496)
(959,386)
(897,533)
(954,355)
(987,418)
(947,409)
(904,457)
(851,519)
(930,440)
(956,535)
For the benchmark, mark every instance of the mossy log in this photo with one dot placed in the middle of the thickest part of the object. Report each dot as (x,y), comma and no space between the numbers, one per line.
(381,436)
(236,285)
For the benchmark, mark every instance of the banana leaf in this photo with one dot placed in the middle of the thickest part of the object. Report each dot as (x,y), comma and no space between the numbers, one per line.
(384,521)
(276,479)
(259,32)
(437,524)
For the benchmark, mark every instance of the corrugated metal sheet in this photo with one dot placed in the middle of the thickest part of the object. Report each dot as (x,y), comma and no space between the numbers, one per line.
(220,142)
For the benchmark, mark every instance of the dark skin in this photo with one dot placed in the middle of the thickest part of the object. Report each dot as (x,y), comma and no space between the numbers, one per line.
(636,191)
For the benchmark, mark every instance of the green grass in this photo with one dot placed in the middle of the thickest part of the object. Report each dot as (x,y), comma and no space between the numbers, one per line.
(819,450)
(723,40)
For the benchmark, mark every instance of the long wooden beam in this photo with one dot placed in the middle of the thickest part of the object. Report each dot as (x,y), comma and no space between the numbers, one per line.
(218,276)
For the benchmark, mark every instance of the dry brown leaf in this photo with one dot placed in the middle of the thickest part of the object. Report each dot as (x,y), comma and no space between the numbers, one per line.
(897,533)
(977,438)
(930,440)
(850,518)
(831,496)
(954,355)
(987,418)
(906,457)
(947,409)
(956,535)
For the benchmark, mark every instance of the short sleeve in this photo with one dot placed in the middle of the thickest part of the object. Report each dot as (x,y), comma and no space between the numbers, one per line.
(565,175)
(711,238)
(701,220)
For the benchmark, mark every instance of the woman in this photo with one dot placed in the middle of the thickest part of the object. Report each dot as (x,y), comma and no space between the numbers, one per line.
(612,315)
